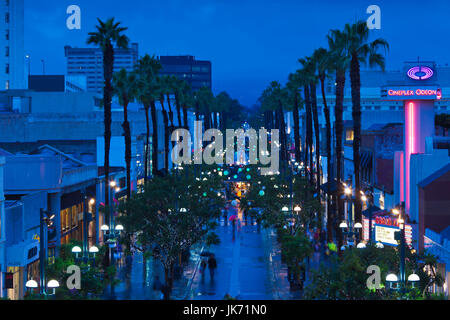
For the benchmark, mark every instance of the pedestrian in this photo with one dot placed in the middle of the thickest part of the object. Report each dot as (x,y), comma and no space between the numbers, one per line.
(165,292)
(212,265)
(202,266)
(157,283)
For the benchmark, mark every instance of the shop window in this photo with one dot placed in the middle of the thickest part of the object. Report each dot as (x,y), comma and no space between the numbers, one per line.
(349,135)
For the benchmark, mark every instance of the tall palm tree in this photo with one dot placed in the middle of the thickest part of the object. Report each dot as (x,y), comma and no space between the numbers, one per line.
(147,68)
(223,104)
(294,85)
(163,89)
(108,35)
(125,85)
(322,58)
(360,50)
(274,98)
(307,79)
(338,46)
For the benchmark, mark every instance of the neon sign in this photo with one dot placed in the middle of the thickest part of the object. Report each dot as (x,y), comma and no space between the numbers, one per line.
(420,93)
(420,73)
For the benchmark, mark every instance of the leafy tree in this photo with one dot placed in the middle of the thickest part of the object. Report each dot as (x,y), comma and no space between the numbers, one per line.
(172,213)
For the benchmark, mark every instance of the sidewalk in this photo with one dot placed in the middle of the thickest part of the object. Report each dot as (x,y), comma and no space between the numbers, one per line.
(136,281)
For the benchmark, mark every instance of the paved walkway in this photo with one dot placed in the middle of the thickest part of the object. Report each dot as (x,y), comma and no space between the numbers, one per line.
(249,267)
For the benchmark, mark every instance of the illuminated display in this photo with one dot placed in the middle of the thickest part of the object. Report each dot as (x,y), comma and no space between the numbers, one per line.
(420,73)
(424,93)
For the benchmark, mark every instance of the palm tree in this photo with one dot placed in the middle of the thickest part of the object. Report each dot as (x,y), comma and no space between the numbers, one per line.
(108,34)
(223,102)
(204,101)
(337,43)
(322,58)
(274,98)
(294,84)
(360,50)
(163,89)
(147,68)
(125,88)
(306,76)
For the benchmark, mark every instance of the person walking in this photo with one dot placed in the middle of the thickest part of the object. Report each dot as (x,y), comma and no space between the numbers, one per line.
(212,265)
(202,267)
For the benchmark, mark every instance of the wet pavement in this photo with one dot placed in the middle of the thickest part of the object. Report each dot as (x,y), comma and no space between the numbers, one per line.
(249,267)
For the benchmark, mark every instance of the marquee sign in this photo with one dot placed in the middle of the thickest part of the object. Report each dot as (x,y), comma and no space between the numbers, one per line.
(412,93)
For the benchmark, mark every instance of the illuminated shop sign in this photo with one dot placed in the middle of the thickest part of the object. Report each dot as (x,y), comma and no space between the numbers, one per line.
(384,228)
(419,93)
(420,73)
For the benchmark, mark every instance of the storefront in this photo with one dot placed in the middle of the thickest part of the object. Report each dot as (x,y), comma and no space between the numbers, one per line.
(22,265)
(384,226)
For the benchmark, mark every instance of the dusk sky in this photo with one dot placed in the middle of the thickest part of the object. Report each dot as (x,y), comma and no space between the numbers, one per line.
(249,42)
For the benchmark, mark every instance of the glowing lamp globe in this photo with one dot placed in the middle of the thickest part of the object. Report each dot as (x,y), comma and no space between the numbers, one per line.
(343,225)
(379,245)
(358,225)
(361,245)
(53,284)
(391,277)
(413,278)
(31,284)
(93,249)
(76,249)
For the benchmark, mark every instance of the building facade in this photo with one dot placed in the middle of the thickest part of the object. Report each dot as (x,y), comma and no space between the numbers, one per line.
(12,56)
(88,62)
(198,73)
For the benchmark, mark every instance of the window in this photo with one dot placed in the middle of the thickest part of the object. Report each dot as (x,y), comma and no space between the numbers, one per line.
(391,107)
(7,85)
(7,3)
(349,135)
(443,107)
(7,17)
(7,51)
(7,68)
(7,34)
(377,108)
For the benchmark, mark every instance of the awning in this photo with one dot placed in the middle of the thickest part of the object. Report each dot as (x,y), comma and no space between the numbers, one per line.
(329,187)
(370,211)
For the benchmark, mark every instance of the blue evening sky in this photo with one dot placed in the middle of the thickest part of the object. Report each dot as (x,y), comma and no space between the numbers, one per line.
(249,42)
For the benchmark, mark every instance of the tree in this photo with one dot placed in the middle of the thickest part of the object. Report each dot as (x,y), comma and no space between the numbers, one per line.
(294,85)
(125,86)
(147,68)
(337,44)
(173,213)
(324,65)
(274,98)
(108,34)
(346,278)
(360,50)
(163,88)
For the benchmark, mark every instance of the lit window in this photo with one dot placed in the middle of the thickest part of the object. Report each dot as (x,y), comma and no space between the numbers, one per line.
(349,135)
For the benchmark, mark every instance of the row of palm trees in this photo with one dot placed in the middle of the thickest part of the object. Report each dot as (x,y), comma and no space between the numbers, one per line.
(145,85)
(347,49)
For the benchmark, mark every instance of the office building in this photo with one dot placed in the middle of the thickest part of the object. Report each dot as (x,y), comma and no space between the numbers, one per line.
(57,83)
(12,56)
(88,62)
(195,72)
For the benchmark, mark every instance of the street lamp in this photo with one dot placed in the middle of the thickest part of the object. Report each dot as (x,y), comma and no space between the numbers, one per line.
(52,284)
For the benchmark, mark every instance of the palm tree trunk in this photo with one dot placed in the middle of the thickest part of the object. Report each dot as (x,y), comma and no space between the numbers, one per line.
(296,129)
(166,136)
(108,63)
(147,141)
(127,134)
(356,113)
(185,118)
(340,84)
(177,103)
(317,136)
(326,111)
(154,139)
(309,138)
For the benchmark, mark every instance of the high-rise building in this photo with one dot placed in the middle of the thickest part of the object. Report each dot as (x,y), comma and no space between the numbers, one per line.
(88,62)
(12,57)
(195,72)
